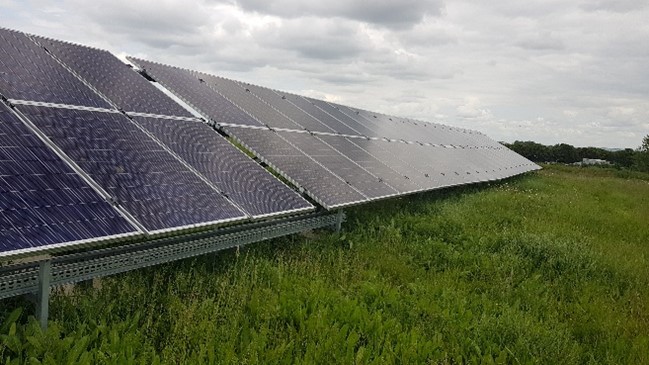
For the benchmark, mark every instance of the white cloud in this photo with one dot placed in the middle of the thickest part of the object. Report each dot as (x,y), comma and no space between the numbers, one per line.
(546,70)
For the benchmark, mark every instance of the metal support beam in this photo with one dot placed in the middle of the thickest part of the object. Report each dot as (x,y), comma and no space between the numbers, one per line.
(38,276)
(340,218)
(43,293)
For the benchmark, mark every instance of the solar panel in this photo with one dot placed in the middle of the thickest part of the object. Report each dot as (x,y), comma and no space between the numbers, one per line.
(322,116)
(328,189)
(399,156)
(380,150)
(343,118)
(150,183)
(399,181)
(27,72)
(43,203)
(114,79)
(243,180)
(370,185)
(375,154)
(187,86)
(279,102)
(245,100)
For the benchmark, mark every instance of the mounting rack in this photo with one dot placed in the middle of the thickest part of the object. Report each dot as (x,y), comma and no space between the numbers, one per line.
(37,277)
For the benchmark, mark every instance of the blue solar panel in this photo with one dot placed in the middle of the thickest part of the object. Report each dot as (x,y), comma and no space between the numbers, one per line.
(27,72)
(243,180)
(42,201)
(151,184)
(114,79)
(187,86)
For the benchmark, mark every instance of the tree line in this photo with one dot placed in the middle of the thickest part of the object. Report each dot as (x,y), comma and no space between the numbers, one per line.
(628,158)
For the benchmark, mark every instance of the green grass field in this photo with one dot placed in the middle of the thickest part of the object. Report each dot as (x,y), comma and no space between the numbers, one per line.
(549,268)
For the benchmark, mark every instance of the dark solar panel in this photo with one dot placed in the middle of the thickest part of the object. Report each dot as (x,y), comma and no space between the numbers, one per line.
(114,79)
(296,114)
(27,72)
(402,163)
(371,186)
(343,118)
(323,117)
(321,184)
(379,130)
(152,185)
(243,180)
(401,155)
(245,100)
(42,201)
(439,163)
(372,164)
(197,94)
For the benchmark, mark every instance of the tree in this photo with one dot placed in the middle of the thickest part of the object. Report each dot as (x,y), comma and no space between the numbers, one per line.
(565,153)
(624,158)
(642,156)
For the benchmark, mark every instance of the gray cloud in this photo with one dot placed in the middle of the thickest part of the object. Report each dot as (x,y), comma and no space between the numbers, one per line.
(317,38)
(543,41)
(546,70)
(616,6)
(387,13)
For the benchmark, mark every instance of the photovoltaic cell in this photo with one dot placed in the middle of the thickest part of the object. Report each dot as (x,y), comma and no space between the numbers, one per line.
(401,182)
(328,189)
(343,118)
(322,116)
(114,79)
(245,100)
(400,155)
(371,186)
(297,115)
(43,203)
(243,180)
(151,184)
(188,87)
(27,72)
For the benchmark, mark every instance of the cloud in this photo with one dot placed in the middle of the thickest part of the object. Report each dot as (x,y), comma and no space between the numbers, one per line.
(616,6)
(541,42)
(388,13)
(548,70)
(317,38)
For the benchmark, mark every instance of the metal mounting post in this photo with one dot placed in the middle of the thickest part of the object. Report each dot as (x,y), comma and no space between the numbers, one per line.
(340,218)
(43,294)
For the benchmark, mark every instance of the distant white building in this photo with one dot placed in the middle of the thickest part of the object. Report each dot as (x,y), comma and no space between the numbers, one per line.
(593,161)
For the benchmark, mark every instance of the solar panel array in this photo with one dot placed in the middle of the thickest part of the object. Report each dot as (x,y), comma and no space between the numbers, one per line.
(124,158)
(340,155)
(91,151)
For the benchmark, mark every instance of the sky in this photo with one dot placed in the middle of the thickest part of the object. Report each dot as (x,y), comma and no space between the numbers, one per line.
(570,71)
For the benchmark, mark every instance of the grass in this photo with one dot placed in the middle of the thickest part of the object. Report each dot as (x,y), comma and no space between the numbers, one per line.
(546,268)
